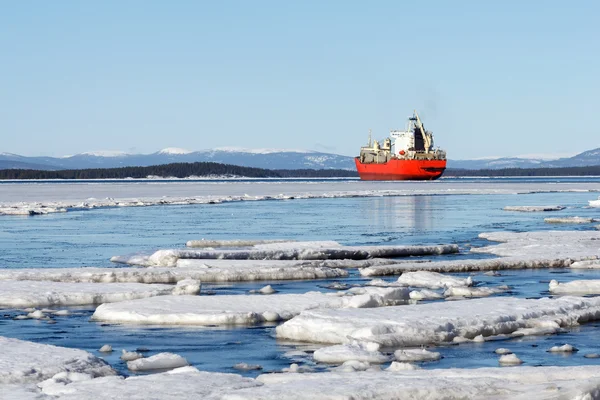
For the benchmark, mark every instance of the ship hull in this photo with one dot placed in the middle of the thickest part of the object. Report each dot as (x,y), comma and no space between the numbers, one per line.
(401,170)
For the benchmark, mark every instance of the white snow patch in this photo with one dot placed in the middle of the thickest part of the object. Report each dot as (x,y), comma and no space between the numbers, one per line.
(416,325)
(401,366)
(174,150)
(45,294)
(157,361)
(239,309)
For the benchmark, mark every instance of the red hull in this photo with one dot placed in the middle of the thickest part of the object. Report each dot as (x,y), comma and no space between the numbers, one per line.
(401,170)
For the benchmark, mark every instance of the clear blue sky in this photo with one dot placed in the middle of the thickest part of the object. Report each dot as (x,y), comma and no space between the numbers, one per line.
(490,78)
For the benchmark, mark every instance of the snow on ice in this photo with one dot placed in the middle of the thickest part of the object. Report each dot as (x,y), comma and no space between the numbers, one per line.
(416,355)
(338,354)
(157,361)
(18,294)
(580,287)
(416,325)
(432,280)
(239,309)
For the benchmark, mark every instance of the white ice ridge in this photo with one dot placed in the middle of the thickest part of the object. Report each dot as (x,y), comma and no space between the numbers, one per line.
(240,309)
(231,243)
(28,362)
(533,208)
(180,383)
(571,220)
(237,272)
(46,294)
(432,280)
(582,287)
(416,325)
(287,251)
(25,198)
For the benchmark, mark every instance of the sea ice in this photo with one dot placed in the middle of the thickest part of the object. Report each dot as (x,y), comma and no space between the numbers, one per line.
(287,251)
(481,291)
(27,362)
(353,366)
(247,367)
(130,355)
(157,361)
(425,294)
(339,354)
(594,203)
(502,351)
(396,366)
(416,325)
(570,220)
(414,355)
(239,309)
(589,264)
(533,208)
(107,348)
(582,287)
(510,359)
(432,280)
(565,348)
(45,294)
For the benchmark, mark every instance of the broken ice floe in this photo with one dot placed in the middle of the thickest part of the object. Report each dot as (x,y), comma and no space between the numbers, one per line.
(416,355)
(25,362)
(570,220)
(565,348)
(107,348)
(247,367)
(580,287)
(338,354)
(594,203)
(130,355)
(231,243)
(510,359)
(457,291)
(239,309)
(234,273)
(589,264)
(45,294)
(432,280)
(533,208)
(158,361)
(287,251)
(416,325)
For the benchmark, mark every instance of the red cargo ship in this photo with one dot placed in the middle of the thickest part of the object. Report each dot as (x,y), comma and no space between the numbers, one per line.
(410,157)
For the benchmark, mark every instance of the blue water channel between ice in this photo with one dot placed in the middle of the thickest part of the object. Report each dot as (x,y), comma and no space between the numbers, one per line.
(90,238)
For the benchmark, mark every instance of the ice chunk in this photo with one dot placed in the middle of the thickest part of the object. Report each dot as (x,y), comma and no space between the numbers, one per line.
(265,290)
(480,291)
(533,208)
(157,361)
(130,355)
(347,352)
(45,294)
(232,243)
(247,367)
(570,220)
(592,355)
(594,203)
(416,325)
(502,351)
(413,355)
(590,264)
(288,251)
(295,368)
(107,348)
(401,366)
(425,294)
(510,359)
(353,366)
(27,362)
(565,348)
(238,309)
(432,280)
(589,286)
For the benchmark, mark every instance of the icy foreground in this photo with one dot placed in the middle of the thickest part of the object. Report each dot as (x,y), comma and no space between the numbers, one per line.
(47,294)
(287,251)
(28,362)
(201,272)
(415,325)
(31,199)
(240,309)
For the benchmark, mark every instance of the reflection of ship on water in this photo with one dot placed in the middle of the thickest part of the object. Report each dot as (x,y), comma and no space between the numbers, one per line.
(404,218)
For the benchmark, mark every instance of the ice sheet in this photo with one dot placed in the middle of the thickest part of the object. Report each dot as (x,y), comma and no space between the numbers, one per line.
(533,208)
(416,325)
(18,294)
(51,197)
(281,251)
(571,220)
(522,383)
(239,309)
(432,280)
(580,287)
(27,362)
(204,273)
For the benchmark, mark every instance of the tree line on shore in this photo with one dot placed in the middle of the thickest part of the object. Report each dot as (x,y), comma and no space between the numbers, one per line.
(211,169)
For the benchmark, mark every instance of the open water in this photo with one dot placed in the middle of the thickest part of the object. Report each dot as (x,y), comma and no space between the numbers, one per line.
(90,238)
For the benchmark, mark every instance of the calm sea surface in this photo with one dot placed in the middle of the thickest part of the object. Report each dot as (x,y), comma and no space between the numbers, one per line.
(90,238)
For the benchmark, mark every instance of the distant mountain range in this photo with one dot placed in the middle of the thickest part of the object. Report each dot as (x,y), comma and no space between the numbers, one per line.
(262,158)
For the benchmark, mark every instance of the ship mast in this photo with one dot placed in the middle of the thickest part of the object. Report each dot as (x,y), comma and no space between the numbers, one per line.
(426,138)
